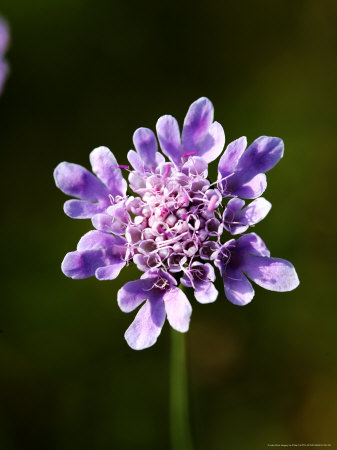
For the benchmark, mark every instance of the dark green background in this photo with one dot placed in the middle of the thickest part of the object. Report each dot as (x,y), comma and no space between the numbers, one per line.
(88,73)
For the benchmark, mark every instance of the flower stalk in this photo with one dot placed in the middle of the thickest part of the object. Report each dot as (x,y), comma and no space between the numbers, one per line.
(179,410)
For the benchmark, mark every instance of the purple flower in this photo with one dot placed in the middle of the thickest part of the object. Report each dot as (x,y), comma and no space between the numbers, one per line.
(4,43)
(177,223)
(249,256)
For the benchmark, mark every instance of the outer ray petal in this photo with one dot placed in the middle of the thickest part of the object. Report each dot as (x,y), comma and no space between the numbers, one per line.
(146,145)
(178,309)
(76,181)
(82,209)
(238,289)
(274,274)
(133,293)
(197,121)
(145,329)
(105,166)
(169,138)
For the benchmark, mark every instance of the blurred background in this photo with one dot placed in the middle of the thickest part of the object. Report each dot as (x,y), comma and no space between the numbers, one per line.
(87,73)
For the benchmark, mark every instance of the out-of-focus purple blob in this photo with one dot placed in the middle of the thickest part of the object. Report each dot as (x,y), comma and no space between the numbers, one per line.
(4,44)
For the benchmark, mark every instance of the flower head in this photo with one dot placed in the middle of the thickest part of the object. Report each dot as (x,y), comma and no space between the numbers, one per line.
(177,222)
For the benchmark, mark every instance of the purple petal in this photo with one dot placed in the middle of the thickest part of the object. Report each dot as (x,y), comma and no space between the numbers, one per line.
(238,289)
(256,211)
(111,271)
(178,309)
(209,271)
(81,209)
(146,145)
(137,182)
(253,244)
(206,292)
(231,156)
(136,161)
(197,121)
(102,222)
(79,265)
(196,165)
(231,217)
(120,218)
(95,239)
(275,274)
(169,138)
(213,143)
(260,156)
(250,189)
(145,329)
(105,166)
(133,293)
(77,181)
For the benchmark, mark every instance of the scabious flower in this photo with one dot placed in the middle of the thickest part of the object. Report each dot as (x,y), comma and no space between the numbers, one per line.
(176,222)
(4,43)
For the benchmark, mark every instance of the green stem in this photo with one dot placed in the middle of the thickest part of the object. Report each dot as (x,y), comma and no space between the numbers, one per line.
(180,427)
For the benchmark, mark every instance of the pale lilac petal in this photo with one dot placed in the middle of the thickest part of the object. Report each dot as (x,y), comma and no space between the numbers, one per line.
(95,239)
(231,216)
(136,161)
(133,293)
(256,211)
(146,145)
(275,274)
(209,271)
(141,262)
(213,143)
(137,182)
(77,181)
(169,138)
(252,243)
(250,189)
(79,265)
(145,329)
(159,160)
(235,205)
(120,218)
(102,222)
(81,209)
(111,271)
(196,165)
(206,292)
(197,121)
(238,289)
(178,309)
(105,166)
(231,156)
(260,156)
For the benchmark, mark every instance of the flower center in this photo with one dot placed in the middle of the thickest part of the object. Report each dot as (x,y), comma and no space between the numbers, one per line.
(175,221)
